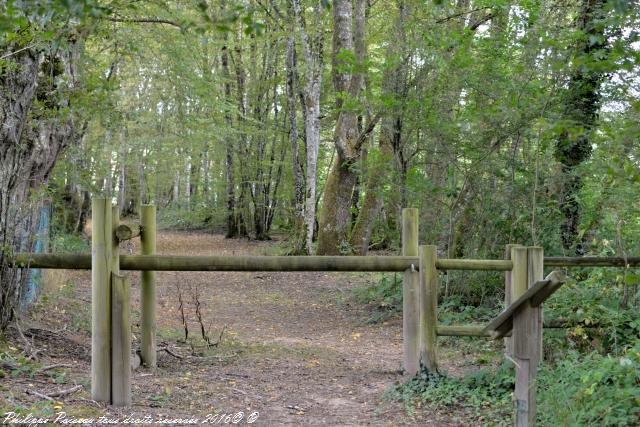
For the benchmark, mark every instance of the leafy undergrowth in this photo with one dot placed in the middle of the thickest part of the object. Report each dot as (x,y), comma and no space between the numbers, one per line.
(577,391)
(591,390)
(484,394)
(384,296)
(21,378)
(198,218)
(591,372)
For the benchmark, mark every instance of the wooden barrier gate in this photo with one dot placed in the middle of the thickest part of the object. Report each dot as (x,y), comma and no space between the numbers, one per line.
(525,291)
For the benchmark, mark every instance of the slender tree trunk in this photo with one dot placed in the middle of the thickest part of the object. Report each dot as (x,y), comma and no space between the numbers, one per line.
(122,177)
(107,188)
(298,173)
(176,189)
(313,53)
(187,181)
(206,172)
(142,182)
(232,224)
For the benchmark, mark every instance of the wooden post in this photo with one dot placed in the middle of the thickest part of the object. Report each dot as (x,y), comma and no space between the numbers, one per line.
(535,268)
(115,243)
(101,235)
(148,297)
(120,341)
(127,231)
(508,342)
(428,308)
(527,269)
(410,294)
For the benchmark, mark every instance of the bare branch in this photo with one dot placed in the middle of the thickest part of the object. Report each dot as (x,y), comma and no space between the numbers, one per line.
(457,15)
(142,21)
(366,132)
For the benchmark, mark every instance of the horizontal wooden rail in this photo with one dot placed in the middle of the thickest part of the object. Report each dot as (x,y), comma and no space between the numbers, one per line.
(474,264)
(298,263)
(225,263)
(589,261)
(478,330)
(266,263)
(461,331)
(54,261)
(255,263)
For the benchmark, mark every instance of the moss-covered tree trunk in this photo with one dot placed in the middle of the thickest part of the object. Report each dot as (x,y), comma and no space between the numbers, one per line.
(581,105)
(37,124)
(393,87)
(335,216)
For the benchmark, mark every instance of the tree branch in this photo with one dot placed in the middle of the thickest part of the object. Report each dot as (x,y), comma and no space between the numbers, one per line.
(366,132)
(481,21)
(142,21)
(457,15)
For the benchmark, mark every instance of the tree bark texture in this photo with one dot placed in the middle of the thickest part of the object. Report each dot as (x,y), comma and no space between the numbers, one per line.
(394,87)
(582,102)
(335,217)
(313,51)
(32,136)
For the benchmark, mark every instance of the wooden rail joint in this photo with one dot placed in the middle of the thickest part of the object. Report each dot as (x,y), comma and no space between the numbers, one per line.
(535,296)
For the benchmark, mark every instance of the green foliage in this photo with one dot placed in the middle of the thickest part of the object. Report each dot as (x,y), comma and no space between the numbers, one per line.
(70,243)
(197,218)
(594,306)
(577,391)
(485,393)
(386,294)
(454,311)
(592,390)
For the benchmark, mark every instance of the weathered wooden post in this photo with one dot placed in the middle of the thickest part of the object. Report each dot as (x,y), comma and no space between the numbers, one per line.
(101,263)
(148,297)
(410,294)
(120,325)
(535,269)
(508,342)
(527,333)
(428,308)
(115,243)
(120,341)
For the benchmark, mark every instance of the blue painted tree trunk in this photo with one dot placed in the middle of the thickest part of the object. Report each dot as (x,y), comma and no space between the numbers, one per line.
(30,293)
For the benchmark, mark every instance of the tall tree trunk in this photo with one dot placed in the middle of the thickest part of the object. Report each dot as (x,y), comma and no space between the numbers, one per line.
(142,181)
(206,172)
(31,138)
(187,181)
(313,54)
(348,35)
(107,187)
(393,87)
(122,175)
(232,224)
(298,172)
(582,102)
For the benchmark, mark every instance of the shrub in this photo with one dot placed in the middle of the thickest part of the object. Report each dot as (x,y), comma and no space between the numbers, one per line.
(577,391)
(70,243)
(592,390)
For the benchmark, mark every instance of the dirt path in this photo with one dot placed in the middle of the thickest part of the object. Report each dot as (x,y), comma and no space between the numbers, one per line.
(296,348)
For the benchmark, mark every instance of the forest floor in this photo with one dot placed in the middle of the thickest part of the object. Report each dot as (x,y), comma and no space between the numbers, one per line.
(295,348)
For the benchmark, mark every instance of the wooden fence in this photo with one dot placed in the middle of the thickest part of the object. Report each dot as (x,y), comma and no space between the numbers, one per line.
(525,289)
